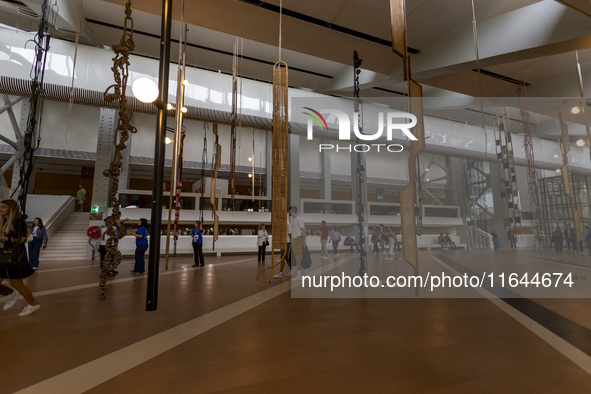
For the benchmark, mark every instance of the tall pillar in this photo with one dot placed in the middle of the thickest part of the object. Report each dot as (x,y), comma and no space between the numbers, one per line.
(16,169)
(104,149)
(326,174)
(294,171)
(456,194)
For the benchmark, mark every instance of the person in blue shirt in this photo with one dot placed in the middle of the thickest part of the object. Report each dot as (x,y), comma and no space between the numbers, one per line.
(39,238)
(197,235)
(141,245)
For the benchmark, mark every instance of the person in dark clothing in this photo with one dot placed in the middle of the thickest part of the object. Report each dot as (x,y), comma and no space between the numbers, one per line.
(13,233)
(557,239)
(197,236)
(141,245)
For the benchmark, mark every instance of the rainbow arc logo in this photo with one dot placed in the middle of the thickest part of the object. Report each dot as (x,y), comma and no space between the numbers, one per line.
(318,115)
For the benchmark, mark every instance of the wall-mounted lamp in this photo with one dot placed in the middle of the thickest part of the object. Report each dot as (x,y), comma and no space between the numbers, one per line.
(575,110)
(581,142)
(167,140)
(556,155)
(558,170)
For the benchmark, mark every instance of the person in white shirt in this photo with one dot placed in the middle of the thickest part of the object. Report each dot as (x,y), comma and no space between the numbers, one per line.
(262,241)
(298,238)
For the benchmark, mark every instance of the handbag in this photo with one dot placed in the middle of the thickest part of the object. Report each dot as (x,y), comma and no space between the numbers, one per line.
(306,258)
(10,259)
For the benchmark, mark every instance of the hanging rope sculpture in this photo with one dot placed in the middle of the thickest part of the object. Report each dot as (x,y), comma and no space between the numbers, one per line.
(124,127)
(178,126)
(234,124)
(410,198)
(360,169)
(217,164)
(280,167)
(41,41)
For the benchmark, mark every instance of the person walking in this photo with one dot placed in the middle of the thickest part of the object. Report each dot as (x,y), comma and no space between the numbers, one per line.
(391,242)
(141,245)
(298,239)
(262,242)
(557,239)
(512,238)
(13,233)
(80,198)
(496,240)
(539,240)
(569,235)
(197,242)
(588,238)
(335,237)
(39,233)
(324,231)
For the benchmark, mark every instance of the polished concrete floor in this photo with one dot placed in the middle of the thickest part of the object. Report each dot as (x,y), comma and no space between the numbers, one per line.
(216,330)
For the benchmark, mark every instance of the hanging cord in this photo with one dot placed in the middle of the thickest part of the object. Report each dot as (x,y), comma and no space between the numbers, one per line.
(280,20)
(76,42)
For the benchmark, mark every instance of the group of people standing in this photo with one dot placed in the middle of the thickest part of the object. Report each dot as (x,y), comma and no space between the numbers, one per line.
(382,237)
(558,238)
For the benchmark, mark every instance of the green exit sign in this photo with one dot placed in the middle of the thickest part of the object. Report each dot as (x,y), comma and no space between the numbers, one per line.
(94,209)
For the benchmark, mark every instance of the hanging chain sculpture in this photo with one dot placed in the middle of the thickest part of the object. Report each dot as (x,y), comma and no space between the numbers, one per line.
(203,164)
(507,176)
(29,147)
(360,169)
(476,184)
(212,198)
(533,194)
(124,127)
(566,181)
(280,166)
(179,189)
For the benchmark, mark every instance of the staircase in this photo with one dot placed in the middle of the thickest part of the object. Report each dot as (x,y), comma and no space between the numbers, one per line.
(69,241)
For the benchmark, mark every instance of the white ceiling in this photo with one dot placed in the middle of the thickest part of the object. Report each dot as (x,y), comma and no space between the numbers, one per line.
(521,40)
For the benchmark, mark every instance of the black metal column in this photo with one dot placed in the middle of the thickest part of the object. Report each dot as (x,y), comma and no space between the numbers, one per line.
(159,151)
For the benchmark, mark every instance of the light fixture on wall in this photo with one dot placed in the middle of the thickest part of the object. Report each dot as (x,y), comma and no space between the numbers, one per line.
(575,110)
(581,142)
(558,170)
(556,155)
(168,140)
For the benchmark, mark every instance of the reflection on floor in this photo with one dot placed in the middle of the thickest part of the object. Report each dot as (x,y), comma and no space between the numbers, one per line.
(216,330)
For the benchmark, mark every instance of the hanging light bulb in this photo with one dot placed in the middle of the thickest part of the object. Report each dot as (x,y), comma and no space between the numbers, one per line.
(145,90)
